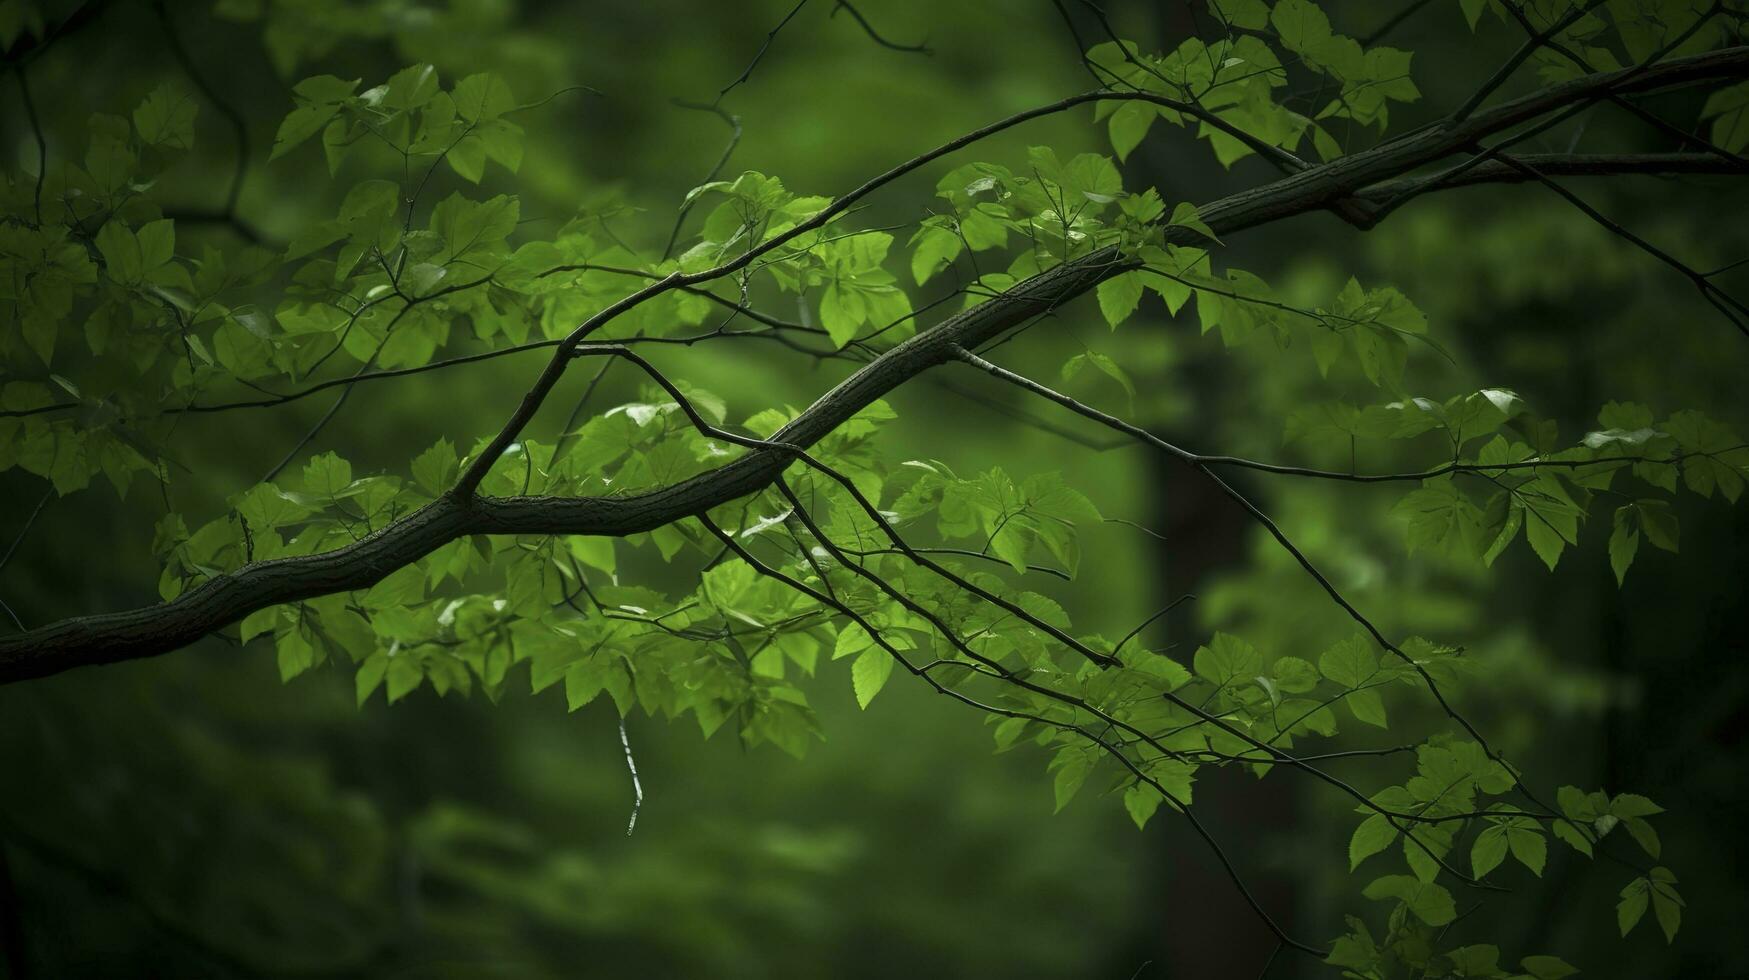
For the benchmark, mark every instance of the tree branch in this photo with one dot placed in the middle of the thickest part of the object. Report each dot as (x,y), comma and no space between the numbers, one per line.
(1563,165)
(227,598)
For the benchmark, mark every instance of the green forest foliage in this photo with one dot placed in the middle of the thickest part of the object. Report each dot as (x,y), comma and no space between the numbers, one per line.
(1404,338)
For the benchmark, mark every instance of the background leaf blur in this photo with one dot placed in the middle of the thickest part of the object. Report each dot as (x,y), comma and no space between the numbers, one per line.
(352,786)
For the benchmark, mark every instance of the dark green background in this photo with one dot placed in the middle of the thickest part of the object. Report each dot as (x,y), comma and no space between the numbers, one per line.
(192,817)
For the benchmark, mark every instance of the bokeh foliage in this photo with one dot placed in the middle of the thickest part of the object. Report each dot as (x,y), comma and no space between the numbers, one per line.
(193,815)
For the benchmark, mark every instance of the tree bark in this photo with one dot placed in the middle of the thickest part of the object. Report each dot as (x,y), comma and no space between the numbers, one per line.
(225,599)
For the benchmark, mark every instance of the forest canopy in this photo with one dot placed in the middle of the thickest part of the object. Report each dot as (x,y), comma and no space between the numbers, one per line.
(524,489)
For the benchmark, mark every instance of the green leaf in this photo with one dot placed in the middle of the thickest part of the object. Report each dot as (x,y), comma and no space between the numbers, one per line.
(404,676)
(1429,902)
(1119,296)
(436,468)
(320,101)
(1480,960)
(1503,520)
(1356,950)
(1644,835)
(1728,108)
(327,476)
(1545,539)
(502,140)
(259,622)
(369,677)
(1573,837)
(1628,805)
(585,680)
(1141,801)
(468,158)
(1129,125)
(1666,903)
(1441,518)
(401,587)
(852,639)
(1351,663)
(296,655)
(1624,542)
(369,216)
(1715,456)
(1186,215)
(166,119)
(1634,899)
(266,507)
(842,313)
(1529,846)
(157,245)
(474,231)
(1658,522)
(1072,766)
(1227,659)
(121,252)
(1367,706)
(1547,967)
(869,673)
(1551,520)
(1104,365)
(410,87)
(1374,835)
(1425,846)
(1480,413)
(1301,24)
(1489,850)
(936,247)
(482,97)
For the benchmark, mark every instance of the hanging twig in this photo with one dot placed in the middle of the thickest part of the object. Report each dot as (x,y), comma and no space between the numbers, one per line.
(637,787)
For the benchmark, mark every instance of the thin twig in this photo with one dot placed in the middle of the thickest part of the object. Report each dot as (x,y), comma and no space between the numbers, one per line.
(759,55)
(1174,604)
(1519,57)
(29,522)
(42,146)
(637,786)
(239,127)
(1396,20)
(875,36)
(734,124)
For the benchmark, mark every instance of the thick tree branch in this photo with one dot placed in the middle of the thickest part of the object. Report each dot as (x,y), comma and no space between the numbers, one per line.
(1327,186)
(1563,165)
(225,599)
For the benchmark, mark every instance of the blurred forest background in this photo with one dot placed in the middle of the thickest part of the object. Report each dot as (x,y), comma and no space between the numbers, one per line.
(190,816)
